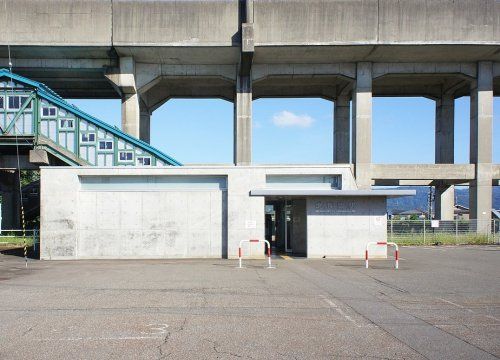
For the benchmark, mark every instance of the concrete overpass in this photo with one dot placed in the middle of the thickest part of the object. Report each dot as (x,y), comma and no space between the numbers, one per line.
(147,52)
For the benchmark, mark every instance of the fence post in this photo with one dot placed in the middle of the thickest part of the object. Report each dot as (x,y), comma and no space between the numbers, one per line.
(424,231)
(391,230)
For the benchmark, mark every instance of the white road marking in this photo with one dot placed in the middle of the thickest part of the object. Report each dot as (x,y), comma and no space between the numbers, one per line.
(103,338)
(156,329)
(455,304)
(341,312)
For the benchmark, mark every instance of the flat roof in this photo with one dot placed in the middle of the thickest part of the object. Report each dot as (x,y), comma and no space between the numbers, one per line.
(317,192)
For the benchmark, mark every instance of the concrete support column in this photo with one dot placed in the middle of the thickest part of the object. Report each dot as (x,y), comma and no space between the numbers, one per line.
(11,201)
(135,114)
(144,122)
(444,207)
(362,125)
(243,121)
(445,130)
(341,131)
(444,154)
(131,114)
(481,123)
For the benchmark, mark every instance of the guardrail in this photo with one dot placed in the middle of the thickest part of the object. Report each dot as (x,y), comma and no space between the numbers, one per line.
(240,252)
(396,252)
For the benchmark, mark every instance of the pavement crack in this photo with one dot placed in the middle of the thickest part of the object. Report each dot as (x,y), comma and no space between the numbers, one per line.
(215,348)
(166,340)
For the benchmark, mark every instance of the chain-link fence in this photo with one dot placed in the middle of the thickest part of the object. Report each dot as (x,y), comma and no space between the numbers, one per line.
(13,238)
(428,232)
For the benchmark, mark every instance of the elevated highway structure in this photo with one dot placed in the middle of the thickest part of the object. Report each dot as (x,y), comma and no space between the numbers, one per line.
(147,52)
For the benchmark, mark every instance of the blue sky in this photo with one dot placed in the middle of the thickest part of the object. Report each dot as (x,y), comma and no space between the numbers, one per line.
(296,131)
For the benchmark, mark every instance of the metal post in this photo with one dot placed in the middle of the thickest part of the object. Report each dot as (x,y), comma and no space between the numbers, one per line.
(392,230)
(456,231)
(424,231)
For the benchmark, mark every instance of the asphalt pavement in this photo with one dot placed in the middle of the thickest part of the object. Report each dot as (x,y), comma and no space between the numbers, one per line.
(442,303)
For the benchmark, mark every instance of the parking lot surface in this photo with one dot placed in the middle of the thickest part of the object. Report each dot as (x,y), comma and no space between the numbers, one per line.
(443,303)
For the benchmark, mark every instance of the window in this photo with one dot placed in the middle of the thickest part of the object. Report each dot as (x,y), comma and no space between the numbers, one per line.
(17,101)
(50,111)
(126,156)
(105,145)
(143,161)
(87,137)
(2,102)
(66,124)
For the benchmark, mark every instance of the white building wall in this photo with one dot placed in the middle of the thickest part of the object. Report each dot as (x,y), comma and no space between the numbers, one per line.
(80,222)
(341,227)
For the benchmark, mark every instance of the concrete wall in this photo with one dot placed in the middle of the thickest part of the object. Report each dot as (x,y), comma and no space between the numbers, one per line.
(343,226)
(77,222)
(159,224)
(56,22)
(376,21)
(216,22)
(177,23)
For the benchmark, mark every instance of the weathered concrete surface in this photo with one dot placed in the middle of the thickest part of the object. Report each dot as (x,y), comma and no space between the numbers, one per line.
(105,215)
(342,131)
(362,125)
(345,225)
(243,121)
(445,202)
(481,142)
(441,303)
(457,172)
(445,154)
(56,23)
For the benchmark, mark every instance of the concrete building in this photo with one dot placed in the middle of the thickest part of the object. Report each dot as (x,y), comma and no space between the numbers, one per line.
(185,211)
(348,52)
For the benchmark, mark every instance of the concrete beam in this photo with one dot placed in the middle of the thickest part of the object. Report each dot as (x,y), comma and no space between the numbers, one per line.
(451,172)
(362,125)
(395,182)
(468,69)
(481,129)
(341,130)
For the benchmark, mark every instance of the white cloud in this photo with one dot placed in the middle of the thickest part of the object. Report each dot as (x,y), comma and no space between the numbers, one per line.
(287,119)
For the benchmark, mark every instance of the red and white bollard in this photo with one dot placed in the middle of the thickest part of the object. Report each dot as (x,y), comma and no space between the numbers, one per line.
(396,252)
(240,252)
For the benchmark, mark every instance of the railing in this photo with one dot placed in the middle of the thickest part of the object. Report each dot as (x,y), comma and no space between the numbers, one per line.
(18,238)
(454,232)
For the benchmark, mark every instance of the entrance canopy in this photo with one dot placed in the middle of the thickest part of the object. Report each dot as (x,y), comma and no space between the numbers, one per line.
(324,192)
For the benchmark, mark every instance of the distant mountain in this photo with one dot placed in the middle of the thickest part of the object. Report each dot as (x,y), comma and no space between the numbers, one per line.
(420,200)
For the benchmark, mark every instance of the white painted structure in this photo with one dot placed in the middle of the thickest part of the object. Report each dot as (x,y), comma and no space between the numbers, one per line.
(203,212)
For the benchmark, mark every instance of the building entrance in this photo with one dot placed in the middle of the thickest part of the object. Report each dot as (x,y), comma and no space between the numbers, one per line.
(286,225)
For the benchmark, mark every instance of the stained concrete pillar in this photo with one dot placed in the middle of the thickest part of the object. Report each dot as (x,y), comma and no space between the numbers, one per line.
(341,129)
(481,123)
(135,114)
(11,201)
(131,114)
(243,121)
(144,122)
(362,125)
(444,154)
(444,206)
